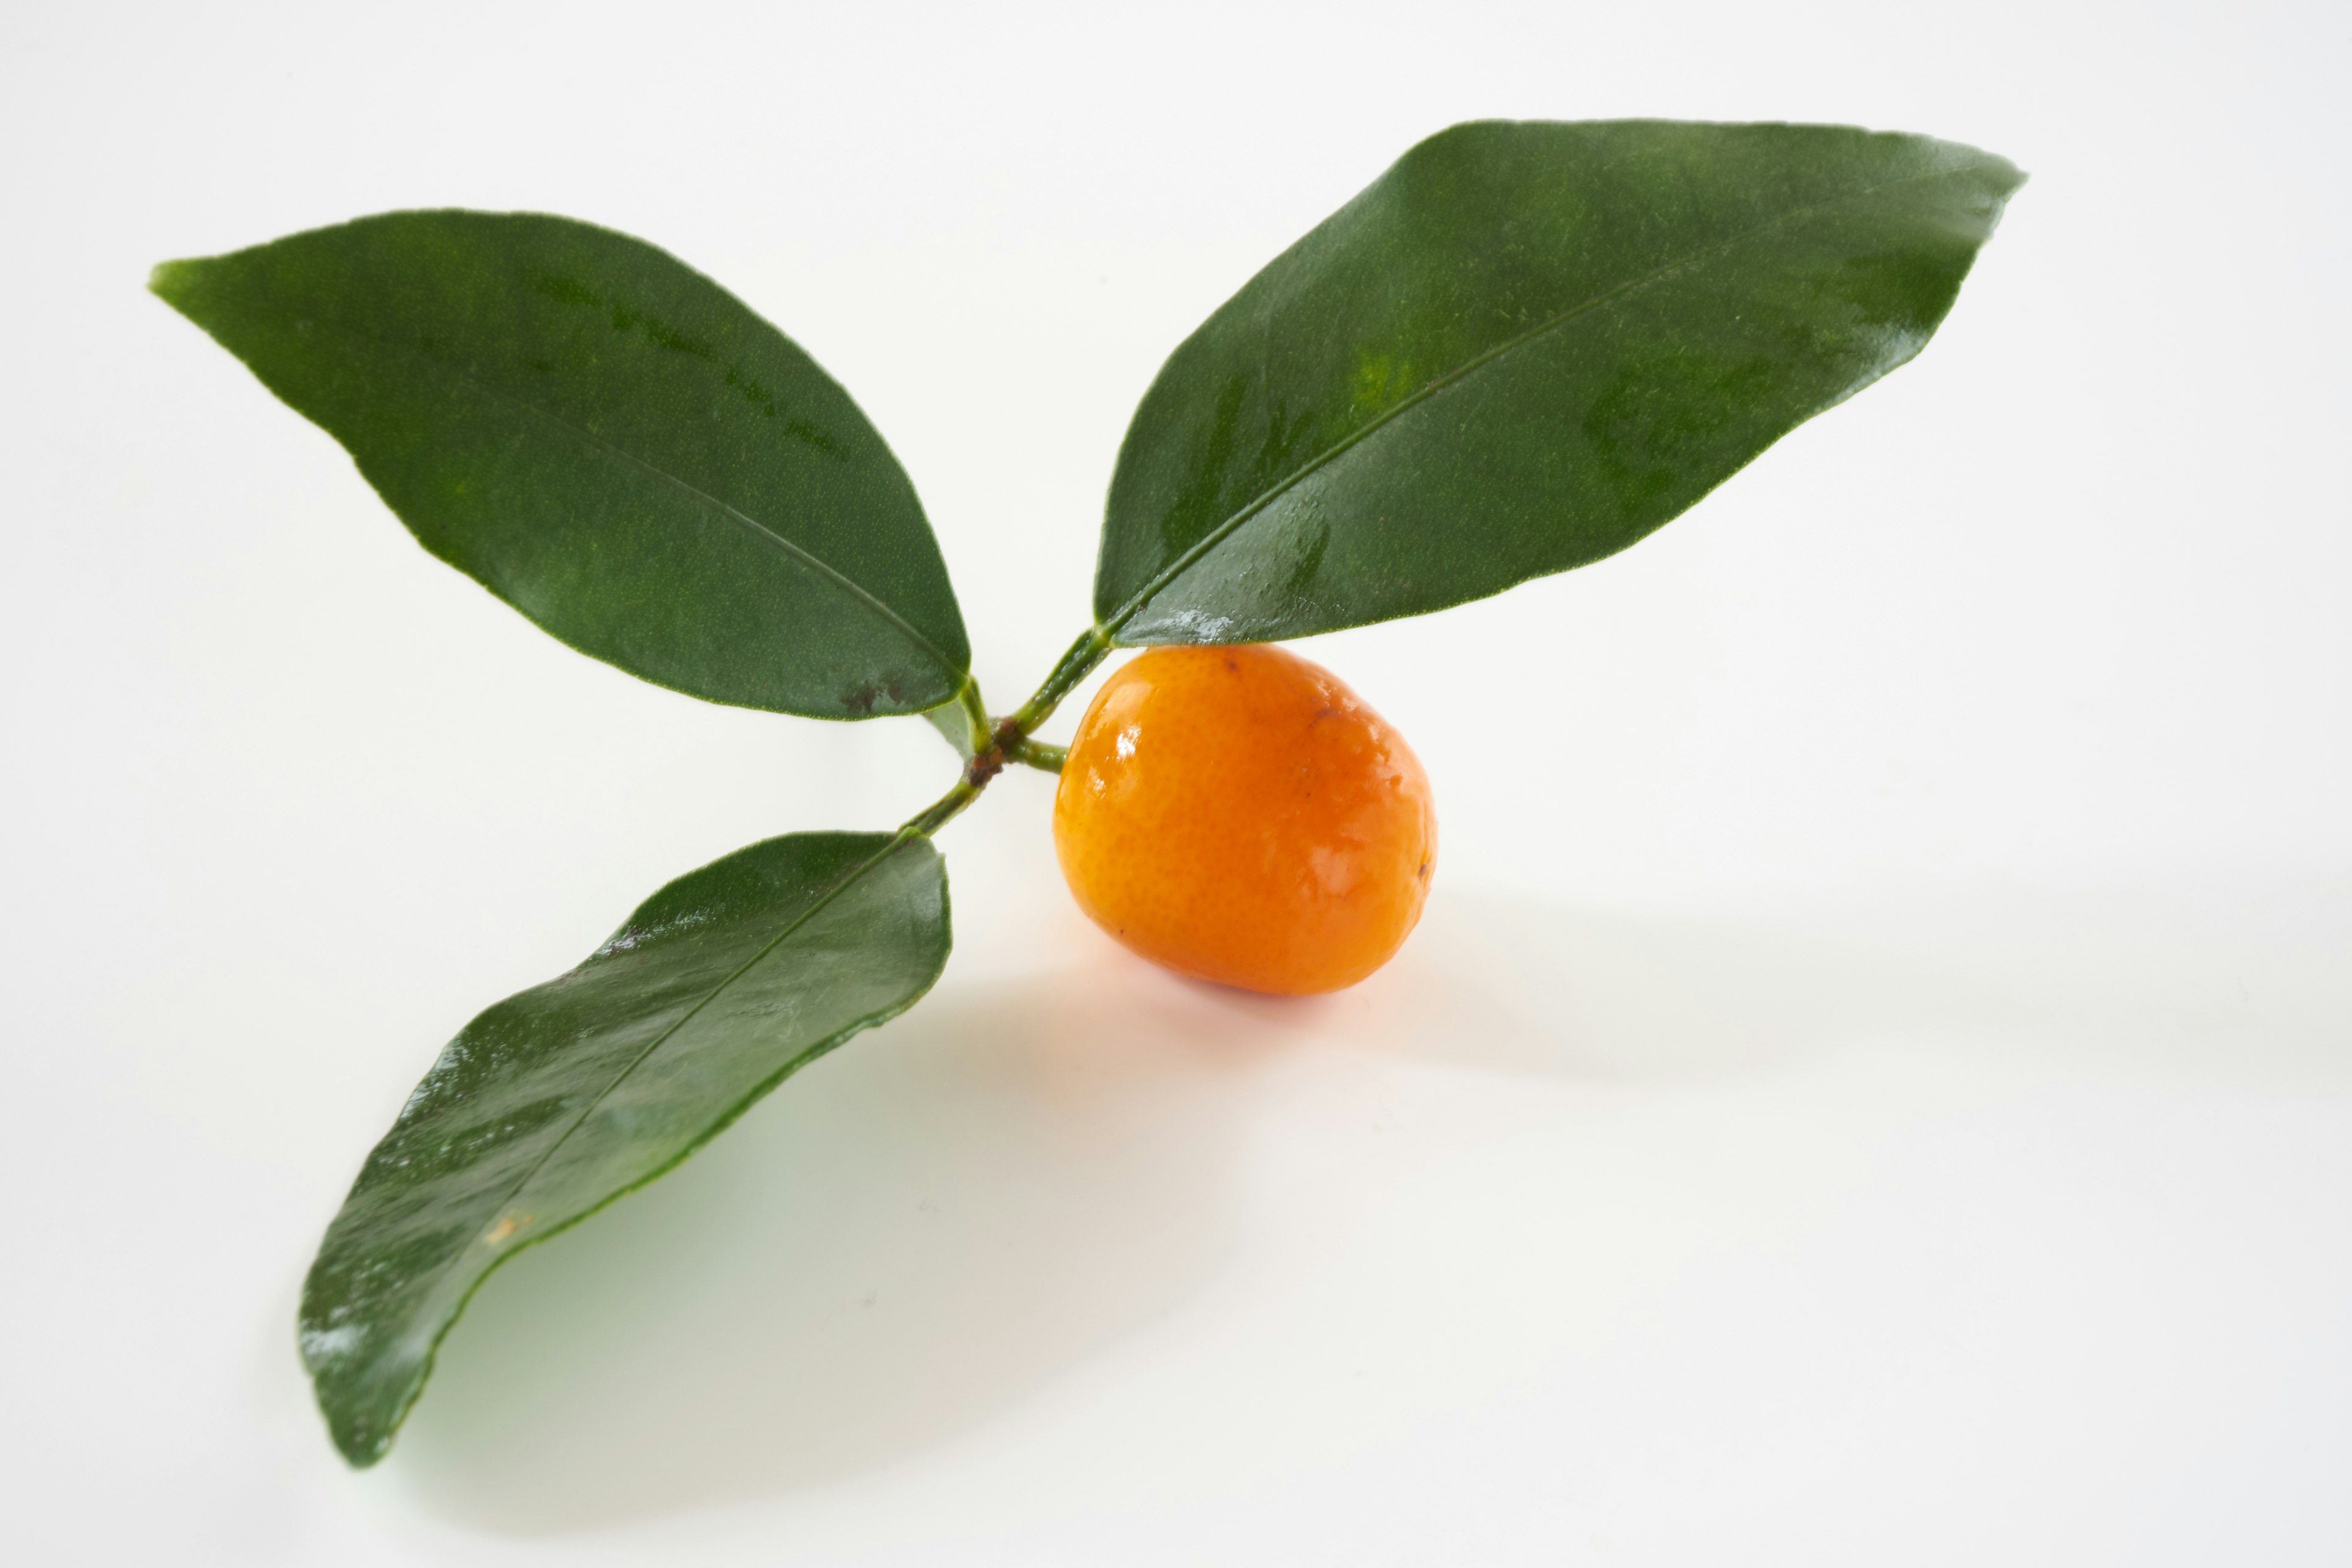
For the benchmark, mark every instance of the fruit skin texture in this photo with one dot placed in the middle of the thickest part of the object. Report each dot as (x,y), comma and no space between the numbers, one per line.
(1238,815)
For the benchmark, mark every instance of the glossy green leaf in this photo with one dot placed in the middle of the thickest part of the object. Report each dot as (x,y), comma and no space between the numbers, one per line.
(611,443)
(1520,350)
(556,1102)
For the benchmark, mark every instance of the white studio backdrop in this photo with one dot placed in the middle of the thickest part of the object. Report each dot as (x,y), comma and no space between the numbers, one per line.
(1875,1080)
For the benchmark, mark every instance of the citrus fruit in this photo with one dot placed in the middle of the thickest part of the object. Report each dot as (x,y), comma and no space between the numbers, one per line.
(1238,815)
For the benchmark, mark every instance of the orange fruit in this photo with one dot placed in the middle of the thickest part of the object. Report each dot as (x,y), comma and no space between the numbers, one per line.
(1238,815)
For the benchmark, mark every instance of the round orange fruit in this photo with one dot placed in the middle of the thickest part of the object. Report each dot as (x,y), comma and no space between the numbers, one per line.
(1238,815)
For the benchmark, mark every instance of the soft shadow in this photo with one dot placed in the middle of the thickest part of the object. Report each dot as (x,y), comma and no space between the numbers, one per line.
(1503,983)
(920,1231)
(2241,979)
(941,1220)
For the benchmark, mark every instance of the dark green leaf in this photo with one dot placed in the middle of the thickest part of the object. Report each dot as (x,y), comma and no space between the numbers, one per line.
(611,443)
(1520,350)
(556,1102)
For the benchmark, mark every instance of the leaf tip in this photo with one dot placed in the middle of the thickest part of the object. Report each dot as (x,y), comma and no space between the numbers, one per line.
(362,1455)
(171,281)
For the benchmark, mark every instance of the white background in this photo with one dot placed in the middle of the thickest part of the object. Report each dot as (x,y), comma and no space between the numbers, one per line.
(1874,1086)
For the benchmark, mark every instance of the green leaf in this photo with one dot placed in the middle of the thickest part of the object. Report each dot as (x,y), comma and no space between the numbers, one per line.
(1520,350)
(556,1102)
(611,443)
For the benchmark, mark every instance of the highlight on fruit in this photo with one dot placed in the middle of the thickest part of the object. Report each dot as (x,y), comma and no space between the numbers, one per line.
(1523,348)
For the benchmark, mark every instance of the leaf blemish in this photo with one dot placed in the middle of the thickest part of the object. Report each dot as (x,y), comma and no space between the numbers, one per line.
(1379,382)
(801,430)
(564,291)
(628,318)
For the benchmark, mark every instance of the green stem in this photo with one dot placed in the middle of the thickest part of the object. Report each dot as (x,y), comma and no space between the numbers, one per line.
(975,714)
(940,812)
(1037,755)
(1075,665)
(1007,739)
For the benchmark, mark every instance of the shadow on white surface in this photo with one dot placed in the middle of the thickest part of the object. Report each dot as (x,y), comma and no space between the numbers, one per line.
(2242,980)
(946,1218)
(918,1231)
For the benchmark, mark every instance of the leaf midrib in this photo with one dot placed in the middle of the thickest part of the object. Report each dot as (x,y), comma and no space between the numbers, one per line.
(1274,492)
(858,593)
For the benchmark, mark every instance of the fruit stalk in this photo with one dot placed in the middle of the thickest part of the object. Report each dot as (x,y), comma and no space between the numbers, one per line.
(1075,664)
